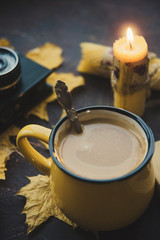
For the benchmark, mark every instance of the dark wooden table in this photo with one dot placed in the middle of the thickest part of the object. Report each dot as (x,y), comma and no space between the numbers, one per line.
(28,24)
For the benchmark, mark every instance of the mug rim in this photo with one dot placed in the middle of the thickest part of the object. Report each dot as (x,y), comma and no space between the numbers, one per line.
(147,130)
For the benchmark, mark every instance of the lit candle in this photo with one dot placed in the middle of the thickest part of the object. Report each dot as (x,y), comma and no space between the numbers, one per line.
(130,49)
(130,74)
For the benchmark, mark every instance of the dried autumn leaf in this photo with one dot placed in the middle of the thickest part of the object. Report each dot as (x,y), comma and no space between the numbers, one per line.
(151,55)
(6,148)
(154,72)
(5,43)
(72,82)
(70,79)
(39,203)
(49,55)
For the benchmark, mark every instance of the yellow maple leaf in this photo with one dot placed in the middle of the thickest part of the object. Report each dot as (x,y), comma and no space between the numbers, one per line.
(154,72)
(70,79)
(48,55)
(72,82)
(39,203)
(6,148)
(5,43)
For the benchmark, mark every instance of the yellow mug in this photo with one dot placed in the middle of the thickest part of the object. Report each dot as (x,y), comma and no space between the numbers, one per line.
(94,204)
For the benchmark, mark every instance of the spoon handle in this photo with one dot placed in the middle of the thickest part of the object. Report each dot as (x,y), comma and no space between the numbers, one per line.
(65,100)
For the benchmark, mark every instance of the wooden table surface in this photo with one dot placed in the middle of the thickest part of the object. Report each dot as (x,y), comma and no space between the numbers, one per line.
(28,24)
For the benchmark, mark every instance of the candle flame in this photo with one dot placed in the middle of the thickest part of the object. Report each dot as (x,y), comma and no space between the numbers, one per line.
(130,37)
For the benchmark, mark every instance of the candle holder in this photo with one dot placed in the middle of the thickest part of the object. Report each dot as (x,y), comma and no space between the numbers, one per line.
(130,82)
(22,86)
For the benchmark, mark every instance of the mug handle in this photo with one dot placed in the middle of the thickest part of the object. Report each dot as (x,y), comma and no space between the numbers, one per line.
(40,133)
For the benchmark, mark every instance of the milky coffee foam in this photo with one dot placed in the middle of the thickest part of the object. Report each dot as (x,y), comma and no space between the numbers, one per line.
(108,148)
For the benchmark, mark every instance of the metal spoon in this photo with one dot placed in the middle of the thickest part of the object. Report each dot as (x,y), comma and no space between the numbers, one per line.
(65,100)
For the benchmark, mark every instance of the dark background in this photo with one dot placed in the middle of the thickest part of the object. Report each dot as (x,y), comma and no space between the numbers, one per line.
(28,24)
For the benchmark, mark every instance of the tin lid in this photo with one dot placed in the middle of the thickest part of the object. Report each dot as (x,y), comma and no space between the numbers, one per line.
(10,72)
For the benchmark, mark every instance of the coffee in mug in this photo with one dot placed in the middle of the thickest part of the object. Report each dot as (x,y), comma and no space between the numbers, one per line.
(107,148)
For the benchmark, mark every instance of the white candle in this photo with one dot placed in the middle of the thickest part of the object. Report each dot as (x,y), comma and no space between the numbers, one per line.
(130,49)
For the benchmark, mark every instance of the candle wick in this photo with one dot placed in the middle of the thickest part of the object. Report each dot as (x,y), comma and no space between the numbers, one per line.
(130,44)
